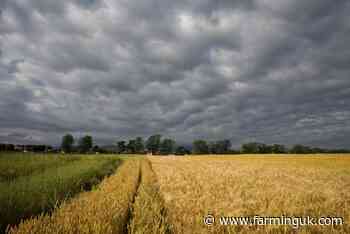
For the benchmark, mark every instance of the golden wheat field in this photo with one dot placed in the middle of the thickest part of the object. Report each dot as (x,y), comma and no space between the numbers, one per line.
(173,194)
(267,186)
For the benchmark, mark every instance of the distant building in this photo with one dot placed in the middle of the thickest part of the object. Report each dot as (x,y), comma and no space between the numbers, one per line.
(7,147)
(26,148)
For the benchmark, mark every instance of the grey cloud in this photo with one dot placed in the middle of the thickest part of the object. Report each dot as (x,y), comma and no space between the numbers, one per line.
(13,66)
(264,70)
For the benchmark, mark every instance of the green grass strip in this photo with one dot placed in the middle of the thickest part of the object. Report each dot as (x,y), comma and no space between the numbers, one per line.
(31,195)
(14,165)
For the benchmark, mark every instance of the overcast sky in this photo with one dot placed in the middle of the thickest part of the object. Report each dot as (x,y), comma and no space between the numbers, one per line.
(272,71)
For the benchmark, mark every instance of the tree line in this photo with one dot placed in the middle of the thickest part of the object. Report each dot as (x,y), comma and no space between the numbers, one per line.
(154,144)
(223,147)
(84,144)
(157,145)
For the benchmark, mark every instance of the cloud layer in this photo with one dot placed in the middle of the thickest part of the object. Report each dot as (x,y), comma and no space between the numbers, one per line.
(274,71)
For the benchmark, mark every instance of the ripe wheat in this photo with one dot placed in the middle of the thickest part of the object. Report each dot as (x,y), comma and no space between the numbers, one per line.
(251,185)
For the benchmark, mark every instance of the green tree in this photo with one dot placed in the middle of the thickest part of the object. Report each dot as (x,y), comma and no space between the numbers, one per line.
(139,145)
(121,147)
(85,144)
(167,146)
(200,147)
(278,149)
(181,150)
(67,143)
(300,149)
(220,147)
(250,148)
(131,147)
(265,149)
(256,148)
(153,143)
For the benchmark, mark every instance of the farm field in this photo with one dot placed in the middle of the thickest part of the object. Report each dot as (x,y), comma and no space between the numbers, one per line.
(46,182)
(249,185)
(16,164)
(169,194)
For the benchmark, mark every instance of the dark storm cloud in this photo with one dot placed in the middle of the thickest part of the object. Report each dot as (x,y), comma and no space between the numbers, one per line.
(262,70)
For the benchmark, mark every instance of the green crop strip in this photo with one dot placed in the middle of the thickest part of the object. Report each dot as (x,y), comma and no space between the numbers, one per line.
(31,195)
(14,165)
